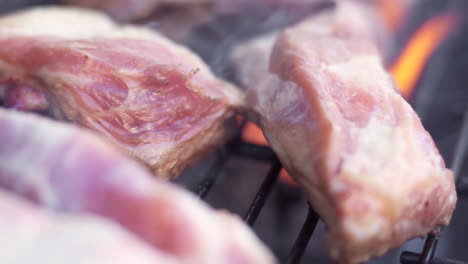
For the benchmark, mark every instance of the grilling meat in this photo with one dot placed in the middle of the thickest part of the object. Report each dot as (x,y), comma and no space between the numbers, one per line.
(30,235)
(69,169)
(332,114)
(151,97)
(250,59)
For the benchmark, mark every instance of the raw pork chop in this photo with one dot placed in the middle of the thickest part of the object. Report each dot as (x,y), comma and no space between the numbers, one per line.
(332,114)
(151,97)
(69,169)
(30,235)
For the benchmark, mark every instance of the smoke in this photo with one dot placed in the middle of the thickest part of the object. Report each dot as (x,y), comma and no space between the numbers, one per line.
(214,40)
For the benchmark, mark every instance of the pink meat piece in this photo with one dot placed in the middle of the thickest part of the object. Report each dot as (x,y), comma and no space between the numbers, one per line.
(147,95)
(251,59)
(31,235)
(332,114)
(69,169)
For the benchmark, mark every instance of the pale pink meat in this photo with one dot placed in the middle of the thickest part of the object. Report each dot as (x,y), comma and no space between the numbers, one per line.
(147,95)
(251,59)
(332,114)
(69,169)
(30,235)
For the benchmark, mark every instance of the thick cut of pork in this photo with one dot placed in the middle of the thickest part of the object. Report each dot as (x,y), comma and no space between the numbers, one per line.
(69,169)
(151,97)
(30,235)
(332,114)
(251,59)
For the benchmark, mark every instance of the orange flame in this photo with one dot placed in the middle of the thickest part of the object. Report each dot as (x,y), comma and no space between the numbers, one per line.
(284,177)
(252,133)
(418,50)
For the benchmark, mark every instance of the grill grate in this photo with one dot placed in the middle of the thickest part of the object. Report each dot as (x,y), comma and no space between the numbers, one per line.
(304,236)
(261,153)
(263,193)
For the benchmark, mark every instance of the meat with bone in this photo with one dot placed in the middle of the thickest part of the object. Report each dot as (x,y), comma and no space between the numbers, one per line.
(332,114)
(30,235)
(151,97)
(69,169)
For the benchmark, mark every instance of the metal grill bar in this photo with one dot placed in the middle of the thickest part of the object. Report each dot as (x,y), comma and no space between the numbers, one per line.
(252,151)
(462,186)
(460,148)
(429,248)
(215,170)
(222,156)
(263,193)
(413,258)
(303,238)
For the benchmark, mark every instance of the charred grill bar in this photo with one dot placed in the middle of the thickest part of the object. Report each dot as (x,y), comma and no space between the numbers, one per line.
(210,179)
(263,193)
(303,238)
(410,257)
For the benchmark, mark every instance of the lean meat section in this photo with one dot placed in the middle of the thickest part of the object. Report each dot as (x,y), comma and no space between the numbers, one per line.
(144,93)
(332,114)
(67,168)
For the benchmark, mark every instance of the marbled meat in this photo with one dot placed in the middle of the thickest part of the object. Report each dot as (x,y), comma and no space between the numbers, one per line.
(144,93)
(332,114)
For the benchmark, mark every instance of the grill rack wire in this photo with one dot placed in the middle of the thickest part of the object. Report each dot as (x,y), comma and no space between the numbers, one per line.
(247,150)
